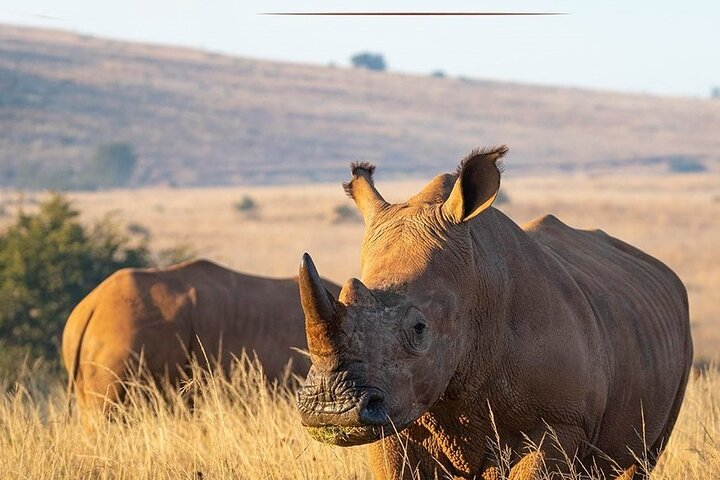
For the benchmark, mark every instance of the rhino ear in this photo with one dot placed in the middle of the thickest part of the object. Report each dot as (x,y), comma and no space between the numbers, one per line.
(477,184)
(361,188)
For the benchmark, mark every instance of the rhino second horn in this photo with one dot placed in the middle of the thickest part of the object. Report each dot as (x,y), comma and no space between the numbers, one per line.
(354,292)
(321,319)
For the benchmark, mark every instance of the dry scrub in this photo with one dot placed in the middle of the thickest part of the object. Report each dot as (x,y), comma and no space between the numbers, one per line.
(242,427)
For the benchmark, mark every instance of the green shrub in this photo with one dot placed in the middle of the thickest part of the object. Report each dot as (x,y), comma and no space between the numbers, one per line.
(139,229)
(48,263)
(174,255)
(246,205)
(345,214)
(111,165)
(681,164)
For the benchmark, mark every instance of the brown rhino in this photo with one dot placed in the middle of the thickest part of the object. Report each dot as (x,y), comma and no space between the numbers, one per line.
(170,313)
(466,330)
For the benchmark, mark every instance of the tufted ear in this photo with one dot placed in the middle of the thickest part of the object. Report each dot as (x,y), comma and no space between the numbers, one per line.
(361,188)
(477,184)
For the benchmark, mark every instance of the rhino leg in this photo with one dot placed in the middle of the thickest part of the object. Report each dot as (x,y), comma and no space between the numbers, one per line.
(628,474)
(560,445)
(492,473)
(529,467)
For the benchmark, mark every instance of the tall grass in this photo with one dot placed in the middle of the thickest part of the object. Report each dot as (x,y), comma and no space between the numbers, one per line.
(241,426)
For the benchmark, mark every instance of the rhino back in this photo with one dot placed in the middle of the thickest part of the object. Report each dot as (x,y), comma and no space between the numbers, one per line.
(235,312)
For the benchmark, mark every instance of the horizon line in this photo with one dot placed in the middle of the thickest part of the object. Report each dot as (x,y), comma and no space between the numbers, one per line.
(415,14)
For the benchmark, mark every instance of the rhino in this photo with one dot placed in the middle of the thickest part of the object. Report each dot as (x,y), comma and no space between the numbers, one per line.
(468,333)
(166,316)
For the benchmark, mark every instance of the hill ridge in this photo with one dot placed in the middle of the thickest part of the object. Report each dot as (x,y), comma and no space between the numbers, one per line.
(199,118)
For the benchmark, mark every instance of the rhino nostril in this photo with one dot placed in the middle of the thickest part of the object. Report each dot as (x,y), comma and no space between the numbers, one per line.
(373,413)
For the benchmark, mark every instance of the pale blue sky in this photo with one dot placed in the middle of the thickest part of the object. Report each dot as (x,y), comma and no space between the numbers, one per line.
(653,46)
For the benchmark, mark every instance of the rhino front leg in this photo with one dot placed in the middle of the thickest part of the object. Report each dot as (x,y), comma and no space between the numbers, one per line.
(528,468)
(558,447)
(628,474)
(492,473)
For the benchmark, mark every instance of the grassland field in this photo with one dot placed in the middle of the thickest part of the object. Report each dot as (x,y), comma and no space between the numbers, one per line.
(243,428)
(672,217)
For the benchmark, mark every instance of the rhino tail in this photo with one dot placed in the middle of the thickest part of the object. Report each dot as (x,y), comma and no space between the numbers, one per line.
(75,367)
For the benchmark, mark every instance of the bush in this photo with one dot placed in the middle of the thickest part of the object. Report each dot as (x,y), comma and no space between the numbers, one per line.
(370,61)
(139,230)
(345,213)
(685,165)
(246,205)
(111,165)
(174,255)
(48,263)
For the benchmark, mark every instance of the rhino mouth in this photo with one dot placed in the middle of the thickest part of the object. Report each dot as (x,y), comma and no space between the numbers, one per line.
(348,436)
(347,415)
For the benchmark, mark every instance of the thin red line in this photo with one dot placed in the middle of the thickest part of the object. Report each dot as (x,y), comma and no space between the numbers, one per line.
(416,14)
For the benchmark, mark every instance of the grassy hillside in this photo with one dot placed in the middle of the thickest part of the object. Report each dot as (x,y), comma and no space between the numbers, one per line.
(197,118)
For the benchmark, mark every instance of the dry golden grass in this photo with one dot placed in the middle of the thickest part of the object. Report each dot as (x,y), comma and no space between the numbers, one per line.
(243,428)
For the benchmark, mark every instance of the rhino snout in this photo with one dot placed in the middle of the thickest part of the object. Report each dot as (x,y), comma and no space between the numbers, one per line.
(351,406)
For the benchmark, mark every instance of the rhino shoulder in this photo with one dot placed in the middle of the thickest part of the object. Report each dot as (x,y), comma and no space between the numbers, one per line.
(546,221)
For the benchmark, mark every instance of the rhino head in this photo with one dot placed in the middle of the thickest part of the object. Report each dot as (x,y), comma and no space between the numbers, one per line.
(385,352)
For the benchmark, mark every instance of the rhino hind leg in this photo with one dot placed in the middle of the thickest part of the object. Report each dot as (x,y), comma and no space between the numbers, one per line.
(654,452)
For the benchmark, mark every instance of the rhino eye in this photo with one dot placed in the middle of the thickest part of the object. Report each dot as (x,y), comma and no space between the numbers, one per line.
(415,331)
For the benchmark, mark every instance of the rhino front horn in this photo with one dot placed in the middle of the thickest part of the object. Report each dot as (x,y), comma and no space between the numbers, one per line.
(322,321)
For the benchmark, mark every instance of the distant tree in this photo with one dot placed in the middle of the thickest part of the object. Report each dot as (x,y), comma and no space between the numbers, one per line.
(680,164)
(246,204)
(715,92)
(370,61)
(48,263)
(111,165)
(438,74)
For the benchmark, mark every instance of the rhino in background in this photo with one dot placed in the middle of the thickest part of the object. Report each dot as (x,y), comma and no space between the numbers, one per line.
(465,325)
(196,308)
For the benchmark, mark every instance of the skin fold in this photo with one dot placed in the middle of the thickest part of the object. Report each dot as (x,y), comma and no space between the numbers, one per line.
(468,334)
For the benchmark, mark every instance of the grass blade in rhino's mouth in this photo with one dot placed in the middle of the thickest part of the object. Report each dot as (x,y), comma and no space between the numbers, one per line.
(339,435)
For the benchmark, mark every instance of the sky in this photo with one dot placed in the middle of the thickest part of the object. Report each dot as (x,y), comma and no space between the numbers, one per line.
(649,46)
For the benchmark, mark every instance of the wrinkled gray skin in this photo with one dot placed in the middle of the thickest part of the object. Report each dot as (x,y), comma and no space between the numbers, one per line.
(461,313)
